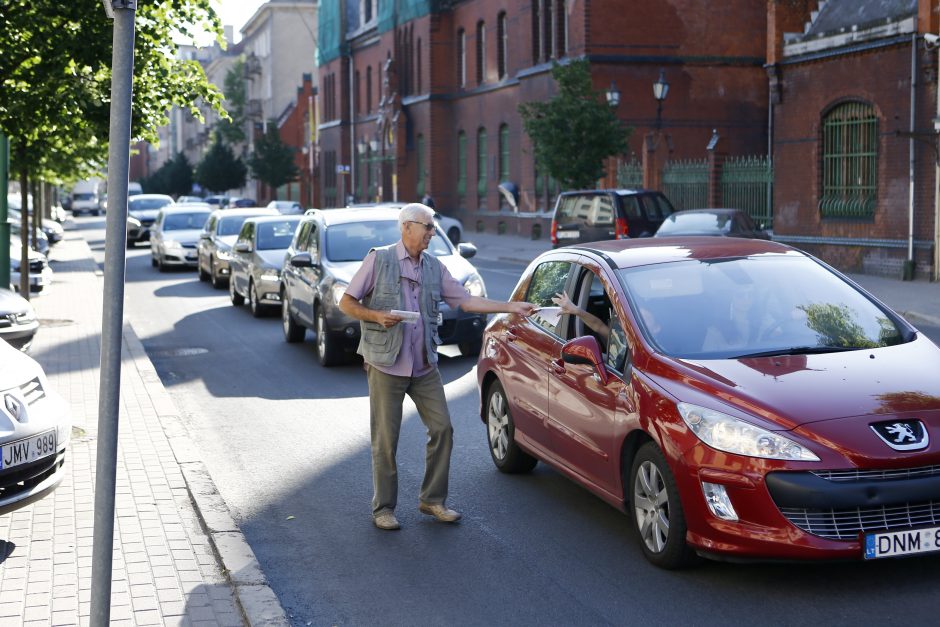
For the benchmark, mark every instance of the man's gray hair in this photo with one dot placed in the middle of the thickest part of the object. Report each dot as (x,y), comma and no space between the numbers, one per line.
(414,211)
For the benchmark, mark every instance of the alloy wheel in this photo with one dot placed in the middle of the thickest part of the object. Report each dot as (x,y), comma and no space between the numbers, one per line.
(497,424)
(651,507)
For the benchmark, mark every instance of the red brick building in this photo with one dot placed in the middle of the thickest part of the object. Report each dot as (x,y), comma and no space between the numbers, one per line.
(421,96)
(854,91)
(295,127)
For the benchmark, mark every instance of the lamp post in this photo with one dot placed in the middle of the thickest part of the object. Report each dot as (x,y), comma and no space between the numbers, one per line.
(660,91)
(613,95)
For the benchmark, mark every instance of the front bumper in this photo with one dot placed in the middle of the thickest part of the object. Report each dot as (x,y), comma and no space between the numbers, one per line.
(19,336)
(185,257)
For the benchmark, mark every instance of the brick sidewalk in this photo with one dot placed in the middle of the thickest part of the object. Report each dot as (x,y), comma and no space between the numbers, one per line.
(173,564)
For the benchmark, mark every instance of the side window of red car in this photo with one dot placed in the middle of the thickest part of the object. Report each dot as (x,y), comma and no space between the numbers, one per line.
(547,280)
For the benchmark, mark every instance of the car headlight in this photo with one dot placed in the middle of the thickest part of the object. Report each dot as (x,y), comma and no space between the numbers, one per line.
(731,435)
(225,255)
(337,291)
(270,274)
(27,316)
(171,243)
(475,285)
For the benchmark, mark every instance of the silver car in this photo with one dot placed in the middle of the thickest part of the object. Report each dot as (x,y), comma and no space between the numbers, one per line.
(36,431)
(142,210)
(174,236)
(257,259)
(215,242)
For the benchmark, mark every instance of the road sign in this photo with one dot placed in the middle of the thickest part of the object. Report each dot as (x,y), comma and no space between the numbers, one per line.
(342,169)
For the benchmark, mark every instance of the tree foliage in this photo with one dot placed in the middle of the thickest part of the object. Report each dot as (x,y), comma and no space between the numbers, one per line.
(576,130)
(232,130)
(272,162)
(220,169)
(175,177)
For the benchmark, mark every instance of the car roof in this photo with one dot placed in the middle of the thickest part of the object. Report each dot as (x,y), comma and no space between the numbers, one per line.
(150,197)
(245,211)
(274,218)
(645,251)
(174,209)
(717,212)
(623,191)
(358,214)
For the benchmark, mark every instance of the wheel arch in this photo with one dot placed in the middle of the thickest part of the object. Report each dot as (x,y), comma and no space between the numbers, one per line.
(488,380)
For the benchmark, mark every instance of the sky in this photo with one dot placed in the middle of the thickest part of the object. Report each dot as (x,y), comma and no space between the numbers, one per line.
(236,12)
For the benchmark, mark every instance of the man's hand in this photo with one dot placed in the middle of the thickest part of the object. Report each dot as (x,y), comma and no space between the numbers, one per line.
(386,319)
(522,308)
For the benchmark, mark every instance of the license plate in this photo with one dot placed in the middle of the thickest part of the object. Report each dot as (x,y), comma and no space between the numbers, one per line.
(190,256)
(899,543)
(28,450)
(567,234)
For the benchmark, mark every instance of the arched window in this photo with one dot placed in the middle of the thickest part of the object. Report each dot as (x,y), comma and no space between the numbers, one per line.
(481,52)
(461,166)
(369,89)
(849,161)
(504,152)
(561,28)
(502,43)
(547,39)
(461,58)
(536,33)
(481,164)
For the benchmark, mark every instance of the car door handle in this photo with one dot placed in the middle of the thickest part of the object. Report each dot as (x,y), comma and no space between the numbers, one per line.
(558,366)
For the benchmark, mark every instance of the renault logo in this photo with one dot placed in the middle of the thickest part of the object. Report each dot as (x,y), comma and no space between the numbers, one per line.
(15,406)
(902,435)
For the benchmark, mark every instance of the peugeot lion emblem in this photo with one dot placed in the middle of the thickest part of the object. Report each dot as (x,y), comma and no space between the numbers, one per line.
(902,435)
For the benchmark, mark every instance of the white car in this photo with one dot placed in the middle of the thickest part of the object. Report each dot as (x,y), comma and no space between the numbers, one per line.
(287,207)
(40,274)
(175,235)
(451,226)
(36,429)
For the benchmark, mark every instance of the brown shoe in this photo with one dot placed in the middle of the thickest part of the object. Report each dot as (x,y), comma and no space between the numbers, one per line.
(386,521)
(440,512)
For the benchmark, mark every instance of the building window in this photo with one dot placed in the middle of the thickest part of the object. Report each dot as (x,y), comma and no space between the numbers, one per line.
(547,29)
(461,166)
(419,150)
(502,43)
(504,152)
(481,164)
(418,63)
(561,30)
(462,58)
(369,89)
(481,52)
(536,33)
(849,162)
(358,93)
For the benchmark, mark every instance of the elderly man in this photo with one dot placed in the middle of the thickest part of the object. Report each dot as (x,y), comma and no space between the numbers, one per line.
(401,356)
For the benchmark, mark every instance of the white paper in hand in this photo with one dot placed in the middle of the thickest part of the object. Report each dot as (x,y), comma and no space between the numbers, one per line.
(406,316)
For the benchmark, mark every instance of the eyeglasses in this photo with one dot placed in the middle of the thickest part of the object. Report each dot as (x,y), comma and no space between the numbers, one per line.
(427,227)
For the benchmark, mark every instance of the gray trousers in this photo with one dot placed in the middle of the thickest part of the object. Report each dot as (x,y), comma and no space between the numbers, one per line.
(386,395)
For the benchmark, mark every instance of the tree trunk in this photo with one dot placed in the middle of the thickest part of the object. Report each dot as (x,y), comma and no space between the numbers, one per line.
(24,225)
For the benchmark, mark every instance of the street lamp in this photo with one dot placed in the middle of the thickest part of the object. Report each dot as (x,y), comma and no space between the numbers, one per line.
(660,91)
(613,95)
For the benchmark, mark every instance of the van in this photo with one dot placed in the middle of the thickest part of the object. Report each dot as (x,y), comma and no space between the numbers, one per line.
(85,197)
(599,214)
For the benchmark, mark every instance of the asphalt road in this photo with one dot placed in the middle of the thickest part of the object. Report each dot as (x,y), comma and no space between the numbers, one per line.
(287,444)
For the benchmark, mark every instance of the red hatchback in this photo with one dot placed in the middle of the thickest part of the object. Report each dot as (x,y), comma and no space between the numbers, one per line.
(737,398)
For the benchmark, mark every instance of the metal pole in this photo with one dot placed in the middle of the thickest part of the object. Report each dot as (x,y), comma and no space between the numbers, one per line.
(122,72)
(909,264)
(4,225)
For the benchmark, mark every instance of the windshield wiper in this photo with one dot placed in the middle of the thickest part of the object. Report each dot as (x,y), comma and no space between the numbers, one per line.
(799,350)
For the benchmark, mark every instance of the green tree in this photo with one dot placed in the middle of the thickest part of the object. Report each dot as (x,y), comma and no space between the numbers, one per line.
(173,177)
(272,162)
(232,130)
(576,130)
(220,169)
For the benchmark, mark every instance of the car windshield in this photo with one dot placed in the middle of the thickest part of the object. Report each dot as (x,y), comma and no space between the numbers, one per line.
(231,225)
(275,235)
(353,240)
(696,223)
(185,221)
(83,196)
(752,307)
(144,204)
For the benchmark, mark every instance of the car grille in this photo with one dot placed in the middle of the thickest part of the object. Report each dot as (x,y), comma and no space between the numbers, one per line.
(31,390)
(867,475)
(846,524)
(193,246)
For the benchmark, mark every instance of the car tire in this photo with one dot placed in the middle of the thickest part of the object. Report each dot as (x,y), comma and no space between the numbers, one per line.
(237,299)
(659,522)
(327,350)
(203,275)
(470,348)
(153,261)
(501,432)
(160,265)
(453,234)
(293,332)
(217,281)
(254,304)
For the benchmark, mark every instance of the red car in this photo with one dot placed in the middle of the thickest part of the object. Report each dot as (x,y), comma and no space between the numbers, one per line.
(737,398)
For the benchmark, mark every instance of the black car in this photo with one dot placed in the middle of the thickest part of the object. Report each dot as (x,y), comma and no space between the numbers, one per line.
(327,250)
(717,222)
(599,214)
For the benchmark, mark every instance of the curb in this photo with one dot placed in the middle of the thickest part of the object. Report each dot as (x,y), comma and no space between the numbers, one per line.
(256,600)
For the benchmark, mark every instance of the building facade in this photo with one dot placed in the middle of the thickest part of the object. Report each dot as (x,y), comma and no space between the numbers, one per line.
(420,96)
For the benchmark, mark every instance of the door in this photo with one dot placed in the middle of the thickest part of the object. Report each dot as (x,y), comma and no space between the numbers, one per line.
(584,412)
(308,279)
(239,262)
(531,342)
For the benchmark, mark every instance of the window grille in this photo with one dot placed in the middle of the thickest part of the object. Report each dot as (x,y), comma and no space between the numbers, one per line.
(849,162)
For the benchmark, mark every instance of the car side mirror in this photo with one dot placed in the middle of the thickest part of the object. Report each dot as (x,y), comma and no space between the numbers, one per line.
(585,350)
(242,247)
(466,250)
(302,260)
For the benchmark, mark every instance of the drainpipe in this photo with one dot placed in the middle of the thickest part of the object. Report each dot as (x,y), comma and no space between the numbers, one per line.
(909,263)
(352,127)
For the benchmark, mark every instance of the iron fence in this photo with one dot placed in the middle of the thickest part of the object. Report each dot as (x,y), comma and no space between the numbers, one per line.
(747,183)
(630,174)
(685,183)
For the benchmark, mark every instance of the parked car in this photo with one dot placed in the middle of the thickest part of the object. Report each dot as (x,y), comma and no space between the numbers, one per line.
(51,227)
(715,222)
(738,399)
(187,199)
(142,210)
(216,240)
(287,207)
(36,432)
(325,254)
(85,202)
(18,322)
(174,236)
(217,199)
(40,274)
(240,203)
(42,241)
(599,214)
(452,226)
(257,259)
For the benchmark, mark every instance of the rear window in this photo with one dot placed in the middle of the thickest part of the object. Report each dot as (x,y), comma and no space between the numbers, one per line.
(184,221)
(588,209)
